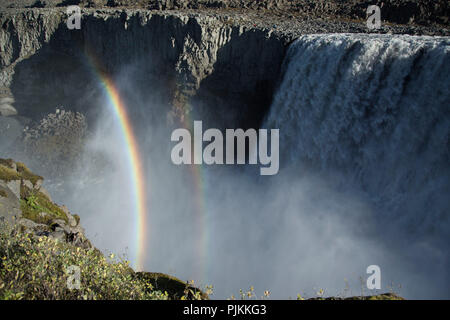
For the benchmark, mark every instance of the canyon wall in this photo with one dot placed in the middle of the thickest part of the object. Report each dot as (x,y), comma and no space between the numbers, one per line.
(201,57)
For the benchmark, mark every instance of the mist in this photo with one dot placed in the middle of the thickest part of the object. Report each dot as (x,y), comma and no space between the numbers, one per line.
(363,177)
(296,232)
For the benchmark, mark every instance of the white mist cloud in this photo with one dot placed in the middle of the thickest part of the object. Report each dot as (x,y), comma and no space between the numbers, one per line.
(296,232)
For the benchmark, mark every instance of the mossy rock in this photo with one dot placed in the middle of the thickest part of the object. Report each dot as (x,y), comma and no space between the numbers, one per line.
(175,287)
(383,296)
(26,173)
(8,173)
(33,202)
(7,162)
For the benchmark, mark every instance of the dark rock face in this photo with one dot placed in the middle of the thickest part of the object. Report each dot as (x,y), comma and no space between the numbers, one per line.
(181,57)
(194,59)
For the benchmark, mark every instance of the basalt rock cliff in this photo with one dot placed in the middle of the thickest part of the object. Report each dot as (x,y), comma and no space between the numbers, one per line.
(194,57)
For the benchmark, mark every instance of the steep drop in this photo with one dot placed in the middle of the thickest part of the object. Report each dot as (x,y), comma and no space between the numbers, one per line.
(373,109)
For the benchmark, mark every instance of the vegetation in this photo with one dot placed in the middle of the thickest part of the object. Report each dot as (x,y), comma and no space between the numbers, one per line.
(37,207)
(36,268)
(26,173)
(176,288)
(250,294)
(8,173)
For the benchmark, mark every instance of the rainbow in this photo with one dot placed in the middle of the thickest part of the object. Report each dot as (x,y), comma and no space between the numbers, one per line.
(134,160)
(201,217)
(138,177)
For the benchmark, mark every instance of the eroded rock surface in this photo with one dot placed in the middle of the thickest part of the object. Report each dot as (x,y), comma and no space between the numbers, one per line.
(194,56)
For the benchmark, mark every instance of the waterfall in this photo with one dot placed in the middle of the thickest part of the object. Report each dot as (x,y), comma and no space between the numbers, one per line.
(376,109)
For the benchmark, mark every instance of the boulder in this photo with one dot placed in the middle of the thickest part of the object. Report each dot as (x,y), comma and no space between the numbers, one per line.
(71,220)
(9,203)
(28,224)
(59,235)
(28,184)
(61,225)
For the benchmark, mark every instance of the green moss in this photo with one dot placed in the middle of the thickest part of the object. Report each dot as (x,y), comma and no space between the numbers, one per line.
(7,174)
(384,296)
(7,162)
(33,202)
(26,174)
(172,285)
(22,173)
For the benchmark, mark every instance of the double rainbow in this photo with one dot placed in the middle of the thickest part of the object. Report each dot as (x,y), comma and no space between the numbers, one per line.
(138,176)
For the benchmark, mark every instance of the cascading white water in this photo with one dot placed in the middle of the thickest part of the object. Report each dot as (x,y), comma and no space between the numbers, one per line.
(370,109)
(375,108)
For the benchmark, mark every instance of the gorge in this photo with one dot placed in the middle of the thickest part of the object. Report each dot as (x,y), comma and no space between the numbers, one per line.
(364,132)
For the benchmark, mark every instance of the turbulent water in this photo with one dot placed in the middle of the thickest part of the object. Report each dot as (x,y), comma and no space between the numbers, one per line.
(364,179)
(376,108)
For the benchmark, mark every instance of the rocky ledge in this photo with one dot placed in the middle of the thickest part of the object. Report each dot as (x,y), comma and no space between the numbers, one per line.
(26,208)
(25,202)
(200,56)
